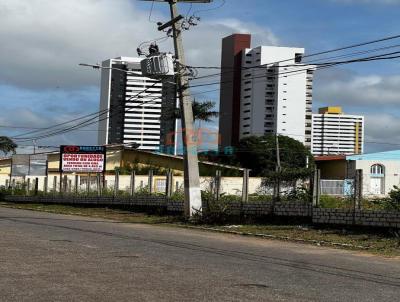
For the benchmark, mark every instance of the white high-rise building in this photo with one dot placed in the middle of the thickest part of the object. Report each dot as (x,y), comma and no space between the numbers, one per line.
(336,133)
(276,98)
(132,106)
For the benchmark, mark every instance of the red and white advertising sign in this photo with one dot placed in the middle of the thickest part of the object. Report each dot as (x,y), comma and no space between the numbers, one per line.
(82,159)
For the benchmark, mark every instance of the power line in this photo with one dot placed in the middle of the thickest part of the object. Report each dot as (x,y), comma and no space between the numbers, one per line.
(99,113)
(56,125)
(330,63)
(89,122)
(189,10)
(212,8)
(305,56)
(151,11)
(319,66)
(40,128)
(334,50)
(86,122)
(309,62)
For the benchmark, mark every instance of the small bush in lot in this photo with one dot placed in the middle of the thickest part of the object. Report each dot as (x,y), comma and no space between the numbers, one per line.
(3,193)
(301,194)
(178,195)
(391,203)
(394,200)
(230,198)
(333,202)
(215,212)
(260,197)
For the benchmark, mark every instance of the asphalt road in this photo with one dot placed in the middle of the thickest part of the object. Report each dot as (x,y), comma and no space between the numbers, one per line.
(48,257)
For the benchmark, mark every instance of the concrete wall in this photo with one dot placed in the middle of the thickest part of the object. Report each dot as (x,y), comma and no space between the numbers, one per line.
(229,185)
(359,217)
(250,209)
(5,165)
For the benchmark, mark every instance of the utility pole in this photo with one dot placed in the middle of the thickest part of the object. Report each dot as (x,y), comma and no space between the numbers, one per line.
(191,164)
(189,136)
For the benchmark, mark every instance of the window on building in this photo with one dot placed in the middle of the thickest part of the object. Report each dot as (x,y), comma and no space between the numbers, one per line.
(160,185)
(378,169)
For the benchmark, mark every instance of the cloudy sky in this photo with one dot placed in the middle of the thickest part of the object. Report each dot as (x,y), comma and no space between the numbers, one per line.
(43,41)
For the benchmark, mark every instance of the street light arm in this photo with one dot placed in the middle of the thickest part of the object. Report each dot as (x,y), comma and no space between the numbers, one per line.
(97,66)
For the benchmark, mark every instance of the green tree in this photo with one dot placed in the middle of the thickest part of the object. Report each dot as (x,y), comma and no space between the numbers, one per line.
(7,145)
(259,155)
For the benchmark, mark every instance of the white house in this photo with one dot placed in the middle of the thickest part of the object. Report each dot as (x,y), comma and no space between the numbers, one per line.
(381,171)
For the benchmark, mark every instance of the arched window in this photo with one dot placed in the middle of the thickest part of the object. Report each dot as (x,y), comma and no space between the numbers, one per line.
(378,169)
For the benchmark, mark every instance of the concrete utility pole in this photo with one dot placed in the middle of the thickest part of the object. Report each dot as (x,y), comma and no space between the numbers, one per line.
(189,137)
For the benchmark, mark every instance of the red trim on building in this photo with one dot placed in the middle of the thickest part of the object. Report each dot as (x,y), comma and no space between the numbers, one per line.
(330,157)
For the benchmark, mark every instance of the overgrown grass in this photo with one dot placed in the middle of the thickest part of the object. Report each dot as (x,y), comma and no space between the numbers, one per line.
(382,242)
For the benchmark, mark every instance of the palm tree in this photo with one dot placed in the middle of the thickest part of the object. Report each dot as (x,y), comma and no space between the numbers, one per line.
(7,145)
(202,111)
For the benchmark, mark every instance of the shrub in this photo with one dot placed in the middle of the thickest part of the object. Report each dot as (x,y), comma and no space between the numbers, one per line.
(394,198)
(301,194)
(178,195)
(215,212)
(333,202)
(392,202)
(260,197)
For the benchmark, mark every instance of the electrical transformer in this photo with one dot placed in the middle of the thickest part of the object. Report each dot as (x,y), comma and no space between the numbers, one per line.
(159,65)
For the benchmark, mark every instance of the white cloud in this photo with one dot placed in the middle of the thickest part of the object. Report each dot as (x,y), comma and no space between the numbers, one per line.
(356,90)
(43,41)
(382,132)
(377,97)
